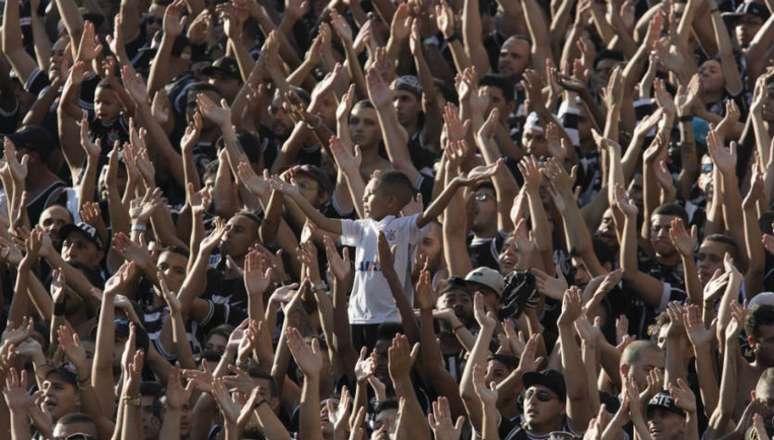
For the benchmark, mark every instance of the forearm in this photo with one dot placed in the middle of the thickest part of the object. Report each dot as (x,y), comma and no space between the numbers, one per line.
(692,284)
(728,380)
(309,419)
(20,425)
(170,427)
(195,282)
(405,309)
(41,41)
(540,228)
(159,70)
(708,384)
(489,422)
(316,217)
(102,366)
(439,204)
(72,20)
(179,337)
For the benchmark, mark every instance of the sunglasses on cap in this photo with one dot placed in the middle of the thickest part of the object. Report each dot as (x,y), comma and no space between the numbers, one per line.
(76,436)
(542,395)
(706,168)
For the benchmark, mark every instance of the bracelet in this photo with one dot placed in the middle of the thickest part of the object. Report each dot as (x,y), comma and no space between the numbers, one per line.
(139,227)
(685,118)
(60,309)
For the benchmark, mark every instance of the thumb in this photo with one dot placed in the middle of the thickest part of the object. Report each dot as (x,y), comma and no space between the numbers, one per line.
(415,352)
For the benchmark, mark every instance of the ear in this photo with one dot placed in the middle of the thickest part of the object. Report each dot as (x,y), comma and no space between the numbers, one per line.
(752,395)
(624,370)
(751,341)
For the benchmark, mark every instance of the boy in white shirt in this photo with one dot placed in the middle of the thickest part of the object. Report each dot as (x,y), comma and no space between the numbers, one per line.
(371,302)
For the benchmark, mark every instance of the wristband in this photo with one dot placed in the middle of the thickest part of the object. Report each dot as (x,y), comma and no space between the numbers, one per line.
(139,227)
(59,309)
(685,118)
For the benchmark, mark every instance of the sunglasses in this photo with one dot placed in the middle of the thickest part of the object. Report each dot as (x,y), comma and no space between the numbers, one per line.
(483,197)
(706,168)
(542,395)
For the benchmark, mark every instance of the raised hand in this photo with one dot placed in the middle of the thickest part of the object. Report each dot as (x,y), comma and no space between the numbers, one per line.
(339,265)
(343,155)
(141,209)
(134,84)
(724,159)
(682,241)
(257,274)
(16,391)
(531,172)
(92,149)
(71,345)
(308,358)
(571,306)
(174,22)
(379,91)
(89,47)
(485,319)
(220,115)
(548,285)
(624,202)
(401,358)
(486,392)
(698,334)
(177,395)
(683,395)
(425,295)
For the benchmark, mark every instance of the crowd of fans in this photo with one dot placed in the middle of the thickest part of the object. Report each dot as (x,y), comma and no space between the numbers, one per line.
(430,219)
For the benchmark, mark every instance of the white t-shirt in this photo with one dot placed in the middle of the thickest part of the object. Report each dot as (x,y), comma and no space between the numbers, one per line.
(371,301)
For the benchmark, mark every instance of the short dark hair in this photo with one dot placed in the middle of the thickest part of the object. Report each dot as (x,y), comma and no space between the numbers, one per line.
(726,240)
(672,209)
(760,315)
(174,249)
(398,184)
(502,82)
(384,405)
(154,390)
(508,360)
(607,54)
(221,330)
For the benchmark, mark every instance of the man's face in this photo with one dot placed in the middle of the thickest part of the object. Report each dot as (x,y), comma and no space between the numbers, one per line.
(59,59)
(710,258)
(763,345)
(63,430)
(59,396)
(606,229)
(665,425)
(647,361)
(173,266)
(511,257)
(216,344)
(380,358)
(660,225)
(76,248)
(483,209)
(431,244)
(281,124)
(514,57)
(52,220)
(364,127)
(542,406)
(496,371)
(498,100)
(534,141)
(154,19)
(746,28)
(459,301)
(711,77)
(764,393)
(241,233)
(151,423)
(407,106)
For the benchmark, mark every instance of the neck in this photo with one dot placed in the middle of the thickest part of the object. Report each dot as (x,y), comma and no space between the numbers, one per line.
(412,127)
(38,179)
(712,97)
(370,154)
(544,428)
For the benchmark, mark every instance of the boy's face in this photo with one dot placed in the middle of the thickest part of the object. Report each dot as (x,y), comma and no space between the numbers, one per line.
(483,208)
(309,188)
(52,220)
(364,127)
(499,101)
(711,76)
(59,396)
(106,104)
(660,225)
(374,200)
(746,28)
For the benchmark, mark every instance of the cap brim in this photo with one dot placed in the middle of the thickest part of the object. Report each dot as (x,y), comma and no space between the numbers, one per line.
(66,230)
(469,284)
(535,378)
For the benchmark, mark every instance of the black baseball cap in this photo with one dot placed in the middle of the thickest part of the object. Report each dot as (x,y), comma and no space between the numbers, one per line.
(84,228)
(225,66)
(665,401)
(33,138)
(551,379)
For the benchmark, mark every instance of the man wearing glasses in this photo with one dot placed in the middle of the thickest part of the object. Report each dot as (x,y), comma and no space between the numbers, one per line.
(75,426)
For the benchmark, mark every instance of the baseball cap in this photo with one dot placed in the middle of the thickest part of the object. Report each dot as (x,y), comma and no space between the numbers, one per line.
(317,173)
(749,8)
(533,123)
(487,277)
(67,373)
(453,283)
(665,401)
(226,66)
(33,138)
(551,379)
(763,298)
(408,83)
(84,228)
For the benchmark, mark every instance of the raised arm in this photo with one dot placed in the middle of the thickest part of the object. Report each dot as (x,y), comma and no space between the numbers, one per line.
(578,408)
